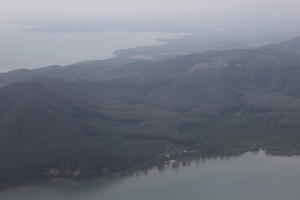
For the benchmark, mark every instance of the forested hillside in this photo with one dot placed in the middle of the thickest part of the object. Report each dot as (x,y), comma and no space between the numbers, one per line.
(95,118)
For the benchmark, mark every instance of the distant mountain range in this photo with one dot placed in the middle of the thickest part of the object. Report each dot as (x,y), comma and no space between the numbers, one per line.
(95,118)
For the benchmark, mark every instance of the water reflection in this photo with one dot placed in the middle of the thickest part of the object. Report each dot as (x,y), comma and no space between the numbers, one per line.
(199,161)
(247,177)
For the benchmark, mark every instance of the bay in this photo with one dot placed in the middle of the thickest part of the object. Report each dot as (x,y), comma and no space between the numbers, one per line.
(19,49)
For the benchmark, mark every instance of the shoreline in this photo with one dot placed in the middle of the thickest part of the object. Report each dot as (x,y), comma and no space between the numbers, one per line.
(179,160)
(144,39)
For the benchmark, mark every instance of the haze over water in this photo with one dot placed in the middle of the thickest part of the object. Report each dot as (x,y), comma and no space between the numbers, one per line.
(20,49)
(250,176)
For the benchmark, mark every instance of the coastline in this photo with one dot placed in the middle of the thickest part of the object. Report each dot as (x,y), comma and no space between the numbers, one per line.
(86,46)
(179,159)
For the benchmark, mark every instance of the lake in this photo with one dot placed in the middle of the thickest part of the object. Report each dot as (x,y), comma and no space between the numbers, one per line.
(31,49)
(252,176)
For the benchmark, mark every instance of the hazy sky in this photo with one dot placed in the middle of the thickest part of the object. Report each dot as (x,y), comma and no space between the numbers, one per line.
(54,9)
(254,21)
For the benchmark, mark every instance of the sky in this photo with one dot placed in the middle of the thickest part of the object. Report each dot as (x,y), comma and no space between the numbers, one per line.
(275,20)
(59,9)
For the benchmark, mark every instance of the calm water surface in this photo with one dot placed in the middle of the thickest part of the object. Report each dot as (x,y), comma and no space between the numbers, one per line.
(28,49)
(248,177)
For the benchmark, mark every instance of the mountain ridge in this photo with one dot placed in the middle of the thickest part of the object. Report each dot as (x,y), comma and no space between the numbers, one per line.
(100,118)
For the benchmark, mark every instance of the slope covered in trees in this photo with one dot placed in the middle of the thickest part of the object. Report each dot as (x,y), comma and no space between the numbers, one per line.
(101,117)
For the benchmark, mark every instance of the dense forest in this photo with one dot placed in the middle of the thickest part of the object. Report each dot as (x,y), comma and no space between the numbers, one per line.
(99,117)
